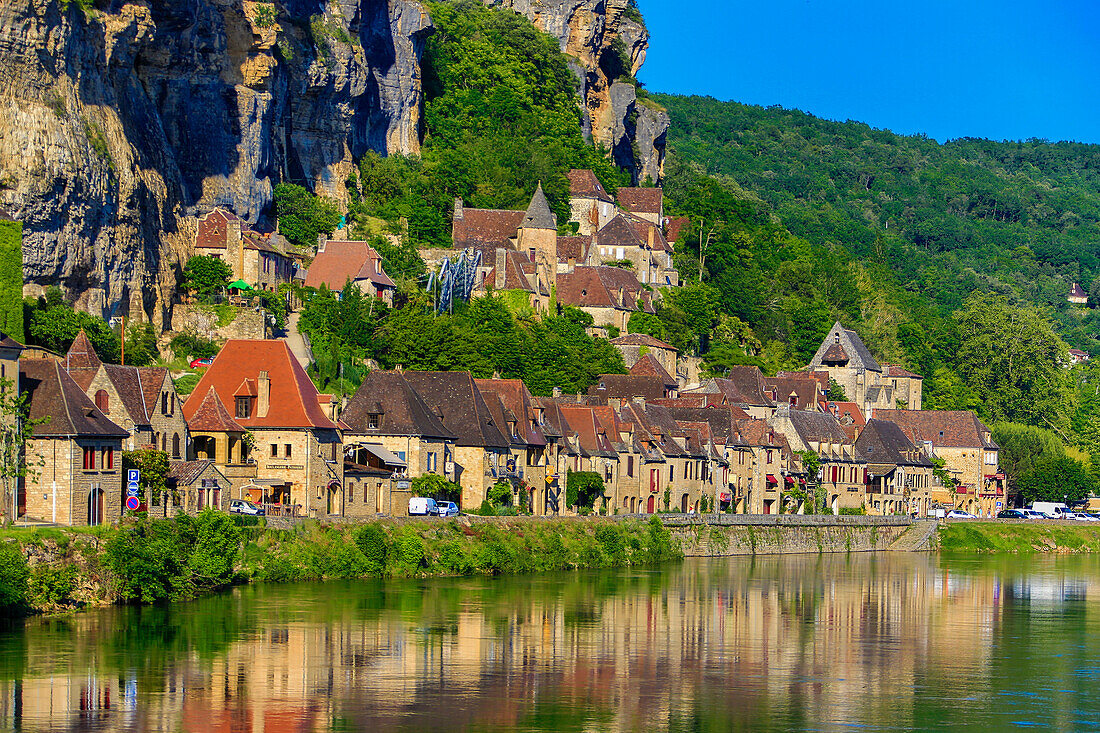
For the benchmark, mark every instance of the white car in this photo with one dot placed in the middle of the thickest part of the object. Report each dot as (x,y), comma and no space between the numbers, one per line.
(1032,514)
(242,506)
(448,509)
(960,514)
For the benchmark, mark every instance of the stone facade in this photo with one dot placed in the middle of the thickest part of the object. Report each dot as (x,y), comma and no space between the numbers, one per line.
(59,489)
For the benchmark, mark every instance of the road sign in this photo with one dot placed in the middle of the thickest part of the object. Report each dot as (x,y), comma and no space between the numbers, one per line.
(133,475)
(132,488)
(132,503)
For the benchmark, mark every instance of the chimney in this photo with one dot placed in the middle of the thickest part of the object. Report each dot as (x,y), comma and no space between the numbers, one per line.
(263,402)
(321,241)
(651,239)
(501,263)
(622,299)
(234,248)
(459,212)
(557,391)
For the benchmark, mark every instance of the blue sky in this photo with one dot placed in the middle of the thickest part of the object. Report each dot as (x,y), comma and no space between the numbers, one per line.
(1010,69)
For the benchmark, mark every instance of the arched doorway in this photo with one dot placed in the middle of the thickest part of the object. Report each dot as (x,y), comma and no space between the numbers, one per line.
(334,498)
(684,503)
(649,504)
(95,506)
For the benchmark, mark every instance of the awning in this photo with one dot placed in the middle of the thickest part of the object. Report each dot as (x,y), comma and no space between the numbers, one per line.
(725,496)
(772,479)
(789,480)
(269,482)
(240,285)
(382,454)
(802,481)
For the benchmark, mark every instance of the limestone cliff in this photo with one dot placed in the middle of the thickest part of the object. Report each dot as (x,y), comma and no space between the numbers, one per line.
(121,120)
(605,44)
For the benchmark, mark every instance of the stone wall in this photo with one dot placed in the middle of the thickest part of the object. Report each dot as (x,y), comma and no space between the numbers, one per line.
(205,321)
(726,535)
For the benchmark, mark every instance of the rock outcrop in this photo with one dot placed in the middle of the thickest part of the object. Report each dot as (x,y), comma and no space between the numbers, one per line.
(120,121)
(607,43)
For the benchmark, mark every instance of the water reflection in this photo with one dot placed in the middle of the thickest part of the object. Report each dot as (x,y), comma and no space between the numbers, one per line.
(781,643)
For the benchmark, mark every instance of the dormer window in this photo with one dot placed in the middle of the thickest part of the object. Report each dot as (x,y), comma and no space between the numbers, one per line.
(243,407)
(103,401)
(374,421)
(836,338)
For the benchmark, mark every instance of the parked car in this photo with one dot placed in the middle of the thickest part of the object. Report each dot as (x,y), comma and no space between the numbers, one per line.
(448,509)
(1011,514)
(1049,509)
(243,506)
(202,363)
(420,506)
(960,514)
(1032,514)
(1081,517)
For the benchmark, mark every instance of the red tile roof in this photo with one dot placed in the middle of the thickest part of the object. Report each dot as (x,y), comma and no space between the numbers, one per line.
(584,184)
(573,248)
(212,417)
(628,386)
(343,261)
(675,226)
(598,287)
(293,401)
(846,409)
(641,200)
(647,365)
(641,339)
(896,371)
(485,229)
(951,428)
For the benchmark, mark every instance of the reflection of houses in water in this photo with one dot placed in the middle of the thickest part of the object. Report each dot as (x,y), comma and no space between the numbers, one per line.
(830,636)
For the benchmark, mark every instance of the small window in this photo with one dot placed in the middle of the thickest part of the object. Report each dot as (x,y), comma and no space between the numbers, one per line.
(374,421)
(287,450)
(176,445)
(108,458)
(431,462)
(102,401)
(401,454)
(630,465)
(244,407)
(274,450)
(89,459)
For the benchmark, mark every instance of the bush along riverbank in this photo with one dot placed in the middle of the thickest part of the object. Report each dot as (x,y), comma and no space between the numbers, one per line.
(1022,537)
(150,561)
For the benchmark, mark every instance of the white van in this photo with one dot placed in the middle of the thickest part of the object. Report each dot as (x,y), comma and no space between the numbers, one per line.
(1049,509)
(420,506)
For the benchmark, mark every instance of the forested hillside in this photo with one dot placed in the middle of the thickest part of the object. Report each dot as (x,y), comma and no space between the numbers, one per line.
(1018,218)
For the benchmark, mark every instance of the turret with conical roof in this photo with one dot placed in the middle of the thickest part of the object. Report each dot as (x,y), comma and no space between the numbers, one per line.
(539,215)
(81,354)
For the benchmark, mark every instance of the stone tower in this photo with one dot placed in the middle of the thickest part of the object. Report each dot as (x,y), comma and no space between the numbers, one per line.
(538,239)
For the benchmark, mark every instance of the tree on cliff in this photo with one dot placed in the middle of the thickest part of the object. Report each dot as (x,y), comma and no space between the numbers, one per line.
(206,276)
(53,324)
(303,216)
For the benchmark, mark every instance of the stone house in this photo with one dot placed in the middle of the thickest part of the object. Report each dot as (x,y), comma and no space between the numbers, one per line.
(771,463)
(218,438)
(628,387)
(199,485)
(143,400)
(849,363)
(372,489)
(899,474)
(734,469)
(298,448)
(609,294)
(743,386)
(387,412)
(906,386)
(263,260)
(513,406)
(628,239)
(800,392)
(966,446)
(481,449)
(634,346)
(675,462)
(644,203)
(648,366)
(590,206)
(843,472)
(598,453)
(338,262)
(1077,295)
(74,454)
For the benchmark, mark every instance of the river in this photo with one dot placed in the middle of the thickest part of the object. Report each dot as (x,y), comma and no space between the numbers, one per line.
(831,642)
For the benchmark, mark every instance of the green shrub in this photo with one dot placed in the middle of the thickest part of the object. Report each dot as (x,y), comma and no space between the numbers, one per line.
(278,569)
(611,537)
(372,543)
(216,549)
(853,511)
(13,576)
(408,554)
(52,585)
(454,559)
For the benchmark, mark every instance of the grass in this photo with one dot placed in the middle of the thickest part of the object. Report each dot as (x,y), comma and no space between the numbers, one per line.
(993,537)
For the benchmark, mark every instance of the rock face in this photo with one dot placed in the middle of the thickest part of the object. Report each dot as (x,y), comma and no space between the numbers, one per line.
(606,43)
(121,122)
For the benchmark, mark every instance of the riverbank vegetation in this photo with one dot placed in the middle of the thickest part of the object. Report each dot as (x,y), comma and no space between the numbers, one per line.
(155,560)
(1019,538)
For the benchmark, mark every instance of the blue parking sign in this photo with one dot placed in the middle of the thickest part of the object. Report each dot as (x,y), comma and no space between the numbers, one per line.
(133,475)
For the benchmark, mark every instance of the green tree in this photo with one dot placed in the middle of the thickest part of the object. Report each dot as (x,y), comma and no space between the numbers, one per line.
(141,344)
(53,324)
(216,550)
(16,428)
(13,575)
(11,279)
(206,276)
(836,391)
(1023,448)
(1056,479)
(303,216)
(437,487)
(1014,361)
(583,488)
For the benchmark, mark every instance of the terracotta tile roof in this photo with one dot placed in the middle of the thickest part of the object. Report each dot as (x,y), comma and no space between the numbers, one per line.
(517,399)
(212,228)
(849,410)
(573,248)
(401,409)
(455,400)
(60,402)
(759,433)
(343,261)
(153,380)
(641,339)
(835,354)
(723,421)
(628,386)
(485,229)
(949,428)
(805,390)
(675,226)
(591,432)
(519,272)
(896,371)
(584,184)
(293,400)
(641,200)
(743,385)
(211,416)
(81,354)
(822,377)
(598,287)
(648,365)
(643,228)
(620,232)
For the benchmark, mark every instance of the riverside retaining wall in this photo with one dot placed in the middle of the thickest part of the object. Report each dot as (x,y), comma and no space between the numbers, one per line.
(726,535)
